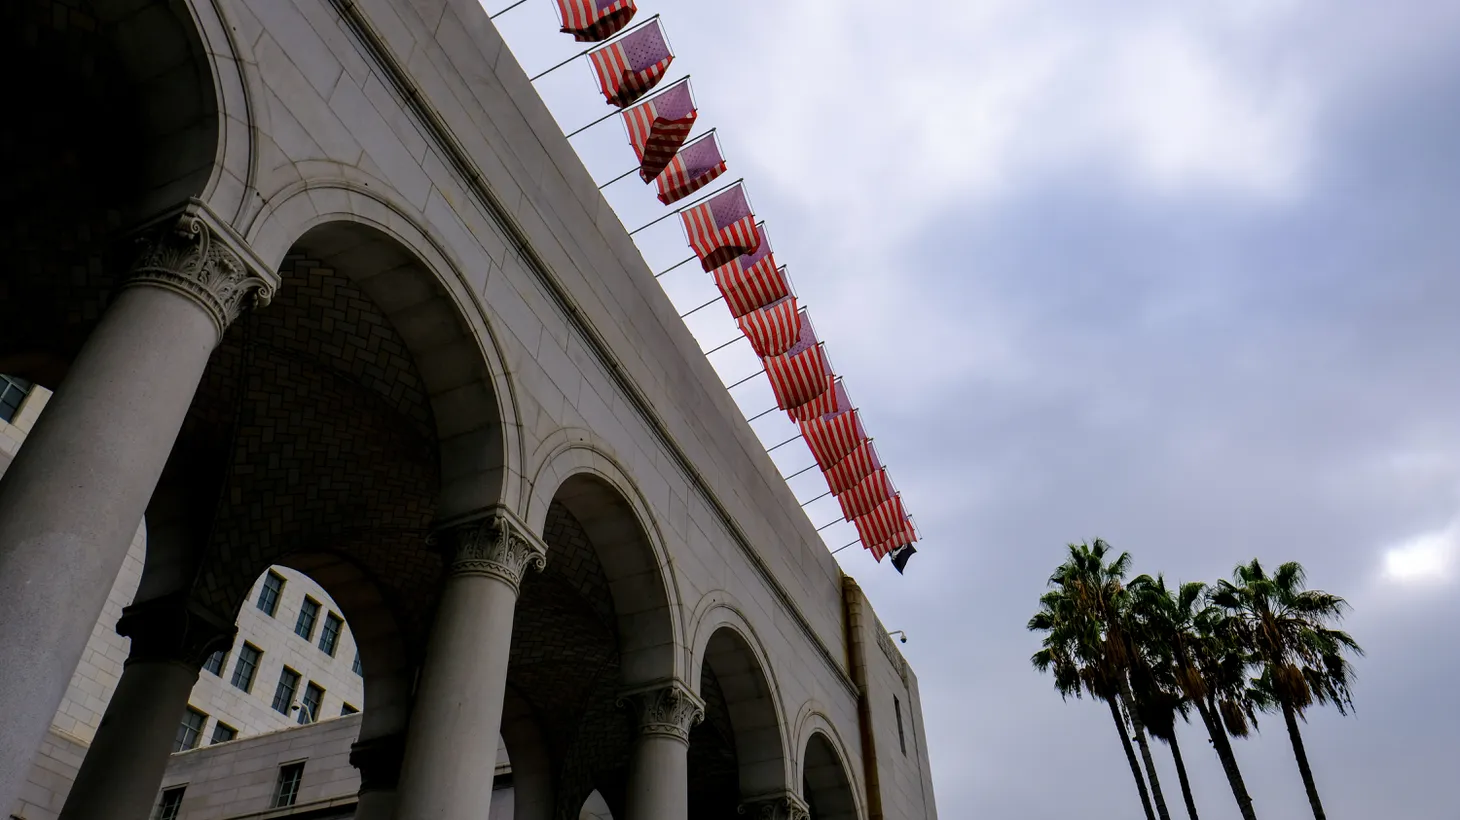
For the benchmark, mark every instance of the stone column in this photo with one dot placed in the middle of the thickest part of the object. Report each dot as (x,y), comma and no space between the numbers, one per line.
(379,762)
(451,746)
(72,499)
(123,768)
(786,806)
(659,769)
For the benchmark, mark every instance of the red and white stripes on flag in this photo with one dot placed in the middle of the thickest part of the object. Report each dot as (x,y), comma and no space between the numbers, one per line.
(866,495)
(752,281)
(773,329)
(632,64)
(802,373)
(853,467)
(658,126)
(721,228)
(695,166)
(819,405)
(906,534)
(831,438)
(883,524)
(590,21)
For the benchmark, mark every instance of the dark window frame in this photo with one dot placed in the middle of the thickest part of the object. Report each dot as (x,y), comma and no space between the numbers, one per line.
(254,662)
(169,803)
(901,735)
(217,661)
(334,627)
(347,709)
(13,393)
(286,787)
(309,713)
(220,728)
(270,593)
(282,702)
(189,736)
(308,617)
(356,667)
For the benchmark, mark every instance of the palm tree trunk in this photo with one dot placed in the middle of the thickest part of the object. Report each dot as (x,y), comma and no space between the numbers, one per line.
(1223,745)
(1130,754)
(1299,752)
(1181,775)
(1140,729)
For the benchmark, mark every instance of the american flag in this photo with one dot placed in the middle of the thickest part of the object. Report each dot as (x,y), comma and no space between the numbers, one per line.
(752,281)
(801,373)
(866,495)
(632,64)
(819,405)
(854,466)
(882,525)
(773,329)
(905,536)
(592,20)
(695,166)
(659,125)
(721,228)
(832,437)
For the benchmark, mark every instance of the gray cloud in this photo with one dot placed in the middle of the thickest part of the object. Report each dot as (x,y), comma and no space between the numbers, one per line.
(1181,278)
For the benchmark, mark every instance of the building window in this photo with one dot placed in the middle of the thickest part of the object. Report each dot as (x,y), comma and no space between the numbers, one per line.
(189,730)
(216,662)
(355,667)
(12,394)
(347,709)
(901,738)
(170,804)
(247,667)
(313,697)
(329,639)
(222,733)
(308,613)
(287,790)
(269,595)
(284,692)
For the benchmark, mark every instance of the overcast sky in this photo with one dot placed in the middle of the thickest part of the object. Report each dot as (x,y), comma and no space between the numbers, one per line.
(1178,275)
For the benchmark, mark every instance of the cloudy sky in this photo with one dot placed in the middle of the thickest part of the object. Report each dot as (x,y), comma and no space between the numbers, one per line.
(1178,275)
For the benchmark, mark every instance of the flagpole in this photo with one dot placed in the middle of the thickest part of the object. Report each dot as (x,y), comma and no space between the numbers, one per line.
(818,498)
(617,178)
(798,472)
(504,11)
(603,118)
(763,414)
(702,307)
(534,78)
(829,523)
(746,379)
(684,208)
(723,346)
(676,265)
(839,549)
(784,443)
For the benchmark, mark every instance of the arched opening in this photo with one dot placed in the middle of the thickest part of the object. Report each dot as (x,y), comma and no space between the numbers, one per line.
(593,619)
(738,752)
(595,808)
(130,121)
(825,784)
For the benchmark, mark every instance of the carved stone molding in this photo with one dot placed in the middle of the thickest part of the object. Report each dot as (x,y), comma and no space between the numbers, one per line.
(670,710)
(173,629)
(496,546)
(192,254)
(379,760)
(785,806)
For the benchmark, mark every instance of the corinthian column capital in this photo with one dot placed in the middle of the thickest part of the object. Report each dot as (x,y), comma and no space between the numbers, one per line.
(670,710)
(784,806)
(495,546)
(193,253)
(174,630)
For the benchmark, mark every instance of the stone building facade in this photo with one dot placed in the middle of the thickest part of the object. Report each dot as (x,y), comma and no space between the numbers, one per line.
(320,284)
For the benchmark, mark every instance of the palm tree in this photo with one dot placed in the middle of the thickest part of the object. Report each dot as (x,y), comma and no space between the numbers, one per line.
(1160,706)
(1070,656)
(1286,630)
(1181,635)
(1090,597)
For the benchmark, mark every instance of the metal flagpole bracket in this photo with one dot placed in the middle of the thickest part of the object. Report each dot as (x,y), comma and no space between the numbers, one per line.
(680,210)
(538,76)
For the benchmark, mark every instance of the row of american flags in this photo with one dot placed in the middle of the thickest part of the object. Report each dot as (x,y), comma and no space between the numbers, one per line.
(734,249)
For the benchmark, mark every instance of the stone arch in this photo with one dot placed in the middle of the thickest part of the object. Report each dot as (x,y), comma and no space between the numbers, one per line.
(827,783)
(579,473)
(359,227)
(726,646)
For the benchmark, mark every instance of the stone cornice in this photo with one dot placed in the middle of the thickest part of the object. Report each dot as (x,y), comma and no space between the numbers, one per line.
(666,710)
(454,152)
(191,252)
